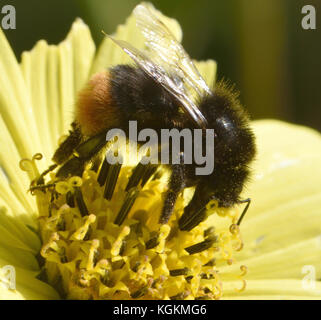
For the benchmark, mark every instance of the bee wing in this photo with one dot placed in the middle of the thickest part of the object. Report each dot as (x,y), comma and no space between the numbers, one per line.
(173,84)
(168,51)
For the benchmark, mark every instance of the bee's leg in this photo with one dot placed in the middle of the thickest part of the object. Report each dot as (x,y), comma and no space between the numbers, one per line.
(68,146)
(63,152)
(85,151)
(176,184)
(248,202)
(40,180)
(195,211)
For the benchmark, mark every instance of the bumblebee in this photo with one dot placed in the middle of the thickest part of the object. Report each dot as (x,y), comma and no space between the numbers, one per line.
(164,90)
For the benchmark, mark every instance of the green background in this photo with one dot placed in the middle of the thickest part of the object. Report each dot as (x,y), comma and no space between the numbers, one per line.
(258,44)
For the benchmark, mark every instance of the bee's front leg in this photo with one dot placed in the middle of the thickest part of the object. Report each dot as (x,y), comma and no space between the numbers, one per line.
(177,183)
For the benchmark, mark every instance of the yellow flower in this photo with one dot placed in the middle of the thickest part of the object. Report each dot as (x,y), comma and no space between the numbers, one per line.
(48,240)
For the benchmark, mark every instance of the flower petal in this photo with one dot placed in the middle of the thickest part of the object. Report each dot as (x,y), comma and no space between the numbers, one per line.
(13,182)
(283,289)
(14,233)
(283,226)
(34,67)
(27,287)
(53,94)
(50,70)
(15,103)
(76,54)
(83,53)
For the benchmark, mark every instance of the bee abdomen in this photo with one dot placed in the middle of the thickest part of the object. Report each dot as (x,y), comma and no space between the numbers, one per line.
(95,108)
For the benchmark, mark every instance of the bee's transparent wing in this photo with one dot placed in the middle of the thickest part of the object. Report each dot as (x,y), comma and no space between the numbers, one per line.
(167,51)
(170,82)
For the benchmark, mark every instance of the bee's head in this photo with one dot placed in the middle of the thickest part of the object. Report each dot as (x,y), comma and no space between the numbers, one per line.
(234,140)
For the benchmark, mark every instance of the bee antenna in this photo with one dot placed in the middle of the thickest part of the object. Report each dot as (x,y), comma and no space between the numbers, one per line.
(248,202)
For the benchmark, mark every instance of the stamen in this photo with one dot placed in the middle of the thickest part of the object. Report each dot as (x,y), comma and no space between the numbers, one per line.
(138,173)
(153,241)
(136,266)
(190,219)
(70,199)
(112,177)
(82,231)
(211,263)
(203,298)
(130,258)
(180,296)
(103,173)
(150,171)
(80,202)
(179,272)
(139,293)
(201,246)
(115,250)
(209,231)
(92,254)
(127,205)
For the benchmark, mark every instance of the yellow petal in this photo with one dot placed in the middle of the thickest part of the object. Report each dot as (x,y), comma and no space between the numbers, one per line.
(75,56)
(13,182)
(34,66)
(27,287)
(284,289)
(66,84)
(53,94)
(18,257)
(15,234)
(282,229)
(15,103)
(83,53)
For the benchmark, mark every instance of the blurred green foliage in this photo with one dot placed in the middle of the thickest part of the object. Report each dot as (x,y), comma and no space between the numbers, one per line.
(259,44)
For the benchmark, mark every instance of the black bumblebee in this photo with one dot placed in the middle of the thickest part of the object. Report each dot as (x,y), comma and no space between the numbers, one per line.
(164,91)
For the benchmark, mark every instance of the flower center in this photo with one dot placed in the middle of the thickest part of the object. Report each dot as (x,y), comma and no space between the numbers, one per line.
(101,237)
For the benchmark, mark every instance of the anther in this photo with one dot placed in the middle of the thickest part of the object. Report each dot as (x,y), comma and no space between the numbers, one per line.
(179,272)
(190,219)
(103,173)
(201,246)
(209,231)
(179,296)
(137,175)
(111,180)
(127,205)
(150,171)
(139,293)
(210,263)
(80,202)
(70,199)
(203,298)
(152,242)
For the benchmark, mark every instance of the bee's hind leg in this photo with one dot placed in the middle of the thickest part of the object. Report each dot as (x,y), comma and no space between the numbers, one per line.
(40,180)
(67,147)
